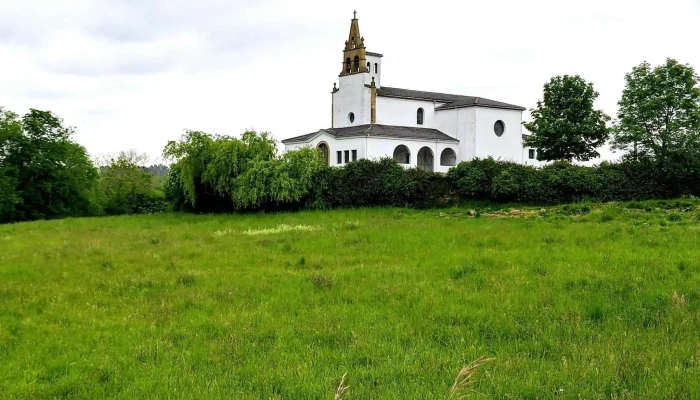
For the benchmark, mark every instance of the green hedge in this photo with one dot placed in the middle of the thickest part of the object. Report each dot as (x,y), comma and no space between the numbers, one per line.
(383,182)
(562,182)
(368,183)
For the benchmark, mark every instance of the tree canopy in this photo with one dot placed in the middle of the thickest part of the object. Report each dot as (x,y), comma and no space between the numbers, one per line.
(44,173)
(659,114)
(246,171)
(565,125)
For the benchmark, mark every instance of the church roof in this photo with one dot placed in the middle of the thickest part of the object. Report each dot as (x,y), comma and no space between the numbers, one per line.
(379,131)
(452,100)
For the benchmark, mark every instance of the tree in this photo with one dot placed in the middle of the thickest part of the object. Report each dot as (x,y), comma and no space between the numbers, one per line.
(52,176)
(127,186)
(10,132)
(565,125)
(132,156)
(659,114)
(223,173)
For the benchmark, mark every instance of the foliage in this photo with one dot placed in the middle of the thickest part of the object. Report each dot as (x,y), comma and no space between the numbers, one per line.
(10,136)
(563,182)
(366,183)
(659,113)
(299,179)
(127,187)
(287,179)
(146,307)
(565,125)
(384,182)
(44,174)
(191,155)
(223,174)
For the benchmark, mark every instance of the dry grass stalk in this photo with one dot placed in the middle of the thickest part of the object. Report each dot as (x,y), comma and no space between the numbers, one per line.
(465,379)
(677,299)
(342,387)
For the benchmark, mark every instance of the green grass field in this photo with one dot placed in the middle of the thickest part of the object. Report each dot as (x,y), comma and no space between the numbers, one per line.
(600,305)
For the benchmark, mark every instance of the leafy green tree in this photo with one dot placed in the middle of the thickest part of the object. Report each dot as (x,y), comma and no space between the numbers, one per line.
(52,175)
(246,172)
(565,125)
(659,114)
(127,187)
(191,155)
(10,133)
(287,179)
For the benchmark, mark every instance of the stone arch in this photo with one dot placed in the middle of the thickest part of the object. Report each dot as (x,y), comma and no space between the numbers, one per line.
(426,160)
(348,65)
(356,64)
(326,151)
(448,157)
(402,154)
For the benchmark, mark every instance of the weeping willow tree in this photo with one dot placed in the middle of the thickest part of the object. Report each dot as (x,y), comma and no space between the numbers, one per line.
(245,171)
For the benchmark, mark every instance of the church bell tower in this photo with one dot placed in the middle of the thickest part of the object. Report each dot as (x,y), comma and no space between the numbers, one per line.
(353,100)
(354,57)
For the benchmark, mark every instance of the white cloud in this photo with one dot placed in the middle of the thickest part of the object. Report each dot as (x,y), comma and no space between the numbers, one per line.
(135,73)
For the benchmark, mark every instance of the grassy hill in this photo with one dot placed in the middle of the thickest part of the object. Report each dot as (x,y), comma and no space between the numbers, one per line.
(570,302)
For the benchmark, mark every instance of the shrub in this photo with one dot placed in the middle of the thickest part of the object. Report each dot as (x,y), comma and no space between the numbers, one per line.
(562,182)
(221,174)
(474,179)
(127,188)
(224,174)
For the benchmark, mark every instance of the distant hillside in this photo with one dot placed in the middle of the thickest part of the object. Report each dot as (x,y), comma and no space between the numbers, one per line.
(155,170)
(158,170)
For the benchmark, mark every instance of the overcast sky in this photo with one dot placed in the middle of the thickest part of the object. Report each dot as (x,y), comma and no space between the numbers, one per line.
(136,73)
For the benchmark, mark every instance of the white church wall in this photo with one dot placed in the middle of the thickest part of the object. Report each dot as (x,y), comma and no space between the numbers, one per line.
(335,145)
(532,161)
(375,70)
(352,97)
(376,148)
(384,147)
(466,132)
(507,147)
(447,122)
(403,112)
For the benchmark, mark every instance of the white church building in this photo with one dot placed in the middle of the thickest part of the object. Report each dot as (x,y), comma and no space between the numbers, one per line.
(426,130)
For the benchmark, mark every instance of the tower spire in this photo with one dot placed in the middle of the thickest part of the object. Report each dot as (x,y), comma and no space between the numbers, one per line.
(354,60)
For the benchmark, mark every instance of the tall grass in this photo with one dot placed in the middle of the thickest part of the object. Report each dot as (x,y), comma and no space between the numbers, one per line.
(568,303)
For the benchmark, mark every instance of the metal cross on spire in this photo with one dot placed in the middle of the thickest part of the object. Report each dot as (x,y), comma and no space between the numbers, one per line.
(354,14)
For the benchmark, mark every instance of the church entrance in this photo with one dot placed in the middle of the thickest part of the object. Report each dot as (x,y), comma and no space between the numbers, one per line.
(425,159)
(325,152)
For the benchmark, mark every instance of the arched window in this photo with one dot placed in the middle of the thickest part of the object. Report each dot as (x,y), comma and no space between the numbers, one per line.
(325,151)
(348,65)
(402,155)
(356,67)
(369,67)
(419,116)
(425,159)
(448,158)
(353,42)
(376,68)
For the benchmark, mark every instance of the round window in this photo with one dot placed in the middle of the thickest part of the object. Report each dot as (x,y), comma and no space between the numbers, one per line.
(499,127)
(351,117)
